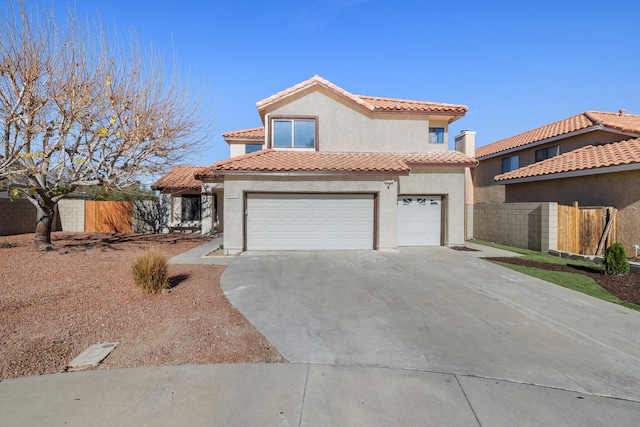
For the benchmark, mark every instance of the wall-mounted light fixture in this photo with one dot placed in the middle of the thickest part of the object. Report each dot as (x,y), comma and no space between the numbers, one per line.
(389,182)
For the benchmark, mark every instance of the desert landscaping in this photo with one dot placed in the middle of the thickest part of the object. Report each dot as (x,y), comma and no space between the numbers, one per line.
(54,304)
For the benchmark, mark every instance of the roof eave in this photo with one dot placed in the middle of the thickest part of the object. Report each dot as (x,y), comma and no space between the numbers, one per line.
(570,174)
(557,138)
(311,173)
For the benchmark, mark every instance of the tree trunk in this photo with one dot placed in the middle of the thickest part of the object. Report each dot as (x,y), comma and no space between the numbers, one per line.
(44,224)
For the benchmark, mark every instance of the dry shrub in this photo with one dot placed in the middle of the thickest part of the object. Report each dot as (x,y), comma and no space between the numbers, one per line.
(150,271)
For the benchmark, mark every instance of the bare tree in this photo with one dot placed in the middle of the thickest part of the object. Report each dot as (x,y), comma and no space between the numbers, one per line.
(81,107)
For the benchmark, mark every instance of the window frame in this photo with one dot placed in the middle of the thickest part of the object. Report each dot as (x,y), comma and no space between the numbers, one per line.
(255,147)
(510,166)
(544,153)
(184,207)
(273,119)
(435,135)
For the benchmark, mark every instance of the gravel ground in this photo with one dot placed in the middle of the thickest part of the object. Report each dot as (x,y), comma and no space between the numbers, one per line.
(55,304)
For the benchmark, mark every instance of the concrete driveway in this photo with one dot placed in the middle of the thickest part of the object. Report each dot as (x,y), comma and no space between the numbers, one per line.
(440,311)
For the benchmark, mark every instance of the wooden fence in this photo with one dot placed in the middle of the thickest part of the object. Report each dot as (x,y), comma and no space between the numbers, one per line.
(586,230)
(108,217)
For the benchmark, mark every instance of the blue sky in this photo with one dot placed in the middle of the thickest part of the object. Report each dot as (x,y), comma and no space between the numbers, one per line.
(516,64)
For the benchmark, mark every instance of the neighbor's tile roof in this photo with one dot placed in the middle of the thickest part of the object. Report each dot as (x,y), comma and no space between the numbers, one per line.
(371,103)
(270,161)
(585,158)
(180,178)
(253,133)
(619,121)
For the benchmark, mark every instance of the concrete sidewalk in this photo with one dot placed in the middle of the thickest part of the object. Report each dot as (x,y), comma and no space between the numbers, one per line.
(296,395)
(200,254)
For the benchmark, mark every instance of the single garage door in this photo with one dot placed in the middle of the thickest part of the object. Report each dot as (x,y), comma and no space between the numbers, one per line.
(419,220)
(309,221)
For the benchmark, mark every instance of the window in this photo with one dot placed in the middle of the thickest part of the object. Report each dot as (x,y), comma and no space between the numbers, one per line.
(436,135)
(252,148)
(191,205)
(294,133)
(510,163)
(547,153)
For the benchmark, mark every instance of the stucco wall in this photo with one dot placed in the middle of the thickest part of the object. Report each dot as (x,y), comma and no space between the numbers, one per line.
(341,128)
(614,189)
(523,225)
(488,192)
(448,182)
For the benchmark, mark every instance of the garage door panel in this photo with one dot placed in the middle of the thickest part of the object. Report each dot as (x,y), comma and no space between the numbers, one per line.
(317,221)
(419,220)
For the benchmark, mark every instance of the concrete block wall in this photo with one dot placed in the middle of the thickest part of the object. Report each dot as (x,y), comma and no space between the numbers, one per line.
(523,225)
(71,215)
(17,217)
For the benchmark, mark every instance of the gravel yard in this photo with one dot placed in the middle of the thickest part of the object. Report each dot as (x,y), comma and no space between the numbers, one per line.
(55,304)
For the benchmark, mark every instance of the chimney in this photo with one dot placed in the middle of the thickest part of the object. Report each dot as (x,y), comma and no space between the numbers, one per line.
(466,142)
(621,112)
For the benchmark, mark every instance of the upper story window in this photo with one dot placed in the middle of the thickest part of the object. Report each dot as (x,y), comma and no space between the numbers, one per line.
(436,135)
(252,148)
(547,153)
(293,133)
(510,163)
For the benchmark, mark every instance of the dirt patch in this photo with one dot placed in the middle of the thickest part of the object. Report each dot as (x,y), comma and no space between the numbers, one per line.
(55,304)
(626,287)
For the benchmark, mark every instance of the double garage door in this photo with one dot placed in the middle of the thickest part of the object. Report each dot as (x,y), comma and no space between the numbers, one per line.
(335,221)
(309,221)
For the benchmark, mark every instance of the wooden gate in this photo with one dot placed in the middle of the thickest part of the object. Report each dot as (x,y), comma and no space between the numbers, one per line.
(586,230)
(107,217)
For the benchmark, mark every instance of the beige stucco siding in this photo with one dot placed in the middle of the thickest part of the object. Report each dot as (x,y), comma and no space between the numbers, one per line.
(345,128)
(613,189)
(448,182)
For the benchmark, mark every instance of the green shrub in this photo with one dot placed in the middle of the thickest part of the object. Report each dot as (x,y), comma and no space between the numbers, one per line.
(150,271)
(615,260)
(7,245)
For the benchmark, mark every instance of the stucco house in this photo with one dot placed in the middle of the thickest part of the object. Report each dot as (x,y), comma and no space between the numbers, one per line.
(592,158)
(334,170)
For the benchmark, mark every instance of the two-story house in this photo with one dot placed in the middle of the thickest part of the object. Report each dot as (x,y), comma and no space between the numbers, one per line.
(592,158)
(334,170)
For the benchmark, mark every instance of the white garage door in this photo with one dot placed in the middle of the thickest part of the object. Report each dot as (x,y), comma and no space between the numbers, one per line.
(309,221)
(419,220)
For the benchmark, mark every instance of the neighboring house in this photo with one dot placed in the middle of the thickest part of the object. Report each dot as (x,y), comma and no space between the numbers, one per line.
(592,158)
(342,171)
(183,204)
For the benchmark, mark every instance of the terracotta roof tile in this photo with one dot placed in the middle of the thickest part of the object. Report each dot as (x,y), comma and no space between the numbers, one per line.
(585,158)
(394,104)
(622,122)
(371,103)
(253,133)
(180,178)
(271,161)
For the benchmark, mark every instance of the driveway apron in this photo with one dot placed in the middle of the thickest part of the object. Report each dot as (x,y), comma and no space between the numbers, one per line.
(437,310)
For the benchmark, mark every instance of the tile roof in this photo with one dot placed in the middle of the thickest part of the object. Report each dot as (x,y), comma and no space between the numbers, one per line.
(620,121)
(371,103)
(272,161)
(582,159)
(180,178)
(253,133)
